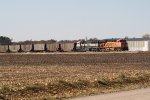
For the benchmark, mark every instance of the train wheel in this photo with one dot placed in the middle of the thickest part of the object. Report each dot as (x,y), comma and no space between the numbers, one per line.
(115,49)
(119,49)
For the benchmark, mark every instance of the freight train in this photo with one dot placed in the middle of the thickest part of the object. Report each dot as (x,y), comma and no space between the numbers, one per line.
(81,46)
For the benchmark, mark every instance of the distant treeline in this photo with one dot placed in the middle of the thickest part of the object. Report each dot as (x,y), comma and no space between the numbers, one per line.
(35,42)
(44,41)
(7,40)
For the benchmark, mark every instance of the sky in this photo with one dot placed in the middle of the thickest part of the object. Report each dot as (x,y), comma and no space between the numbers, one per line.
(73,19)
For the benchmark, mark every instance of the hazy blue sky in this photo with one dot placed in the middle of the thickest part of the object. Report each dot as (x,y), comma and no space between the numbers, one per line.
(73,19)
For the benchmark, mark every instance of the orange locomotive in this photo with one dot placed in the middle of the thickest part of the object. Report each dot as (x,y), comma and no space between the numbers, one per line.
(113,45)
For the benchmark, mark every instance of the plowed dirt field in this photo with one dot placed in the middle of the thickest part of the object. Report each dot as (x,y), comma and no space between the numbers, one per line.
(17,71)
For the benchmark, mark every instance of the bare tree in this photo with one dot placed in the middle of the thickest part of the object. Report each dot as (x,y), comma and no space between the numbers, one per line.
(146,36)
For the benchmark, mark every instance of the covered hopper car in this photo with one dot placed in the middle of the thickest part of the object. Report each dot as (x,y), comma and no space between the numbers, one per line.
(3,48)
(14,48)
(26,47)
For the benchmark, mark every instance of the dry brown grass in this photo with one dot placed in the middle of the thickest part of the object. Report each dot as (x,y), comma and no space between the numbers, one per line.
(39,76)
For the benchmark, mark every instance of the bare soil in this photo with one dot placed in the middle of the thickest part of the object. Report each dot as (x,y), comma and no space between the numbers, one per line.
(17,71)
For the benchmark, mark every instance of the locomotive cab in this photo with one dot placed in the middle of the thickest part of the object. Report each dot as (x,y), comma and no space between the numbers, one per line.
(124,45)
